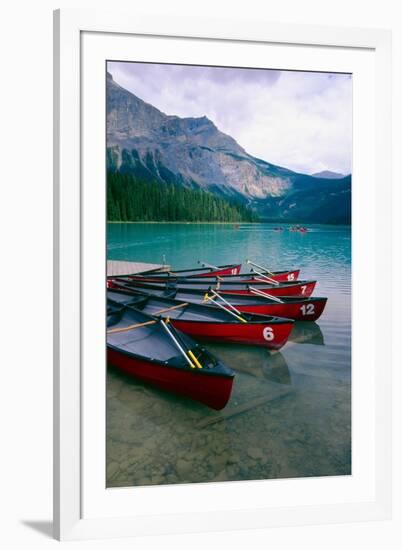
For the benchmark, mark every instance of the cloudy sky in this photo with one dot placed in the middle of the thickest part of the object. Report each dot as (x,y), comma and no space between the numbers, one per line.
(299,120)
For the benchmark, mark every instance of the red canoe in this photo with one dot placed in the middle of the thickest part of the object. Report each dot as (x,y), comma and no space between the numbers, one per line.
(300,288)
(212,271)
(279,276)
(299,308)
(151,355)
(204,322)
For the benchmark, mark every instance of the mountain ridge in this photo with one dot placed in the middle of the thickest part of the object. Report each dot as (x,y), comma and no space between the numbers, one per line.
(328,174)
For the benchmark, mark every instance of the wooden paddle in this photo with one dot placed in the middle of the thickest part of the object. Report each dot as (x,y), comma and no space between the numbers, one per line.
(130,327)
(264,277)
(178,345)
(139,325)
(210,298)
(226,302)
(170,308)
(205,264)
(260,267)
(265,295)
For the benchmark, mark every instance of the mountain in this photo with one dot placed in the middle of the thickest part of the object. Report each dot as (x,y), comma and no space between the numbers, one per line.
(192,152)
(328,175)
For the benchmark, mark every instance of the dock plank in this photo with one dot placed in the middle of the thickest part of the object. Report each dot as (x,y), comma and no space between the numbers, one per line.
(122,267)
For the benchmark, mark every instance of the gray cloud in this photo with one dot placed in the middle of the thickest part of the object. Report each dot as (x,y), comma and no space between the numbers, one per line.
(218,75)
(300,120)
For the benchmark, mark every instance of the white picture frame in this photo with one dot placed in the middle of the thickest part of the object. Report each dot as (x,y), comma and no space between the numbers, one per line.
(83,508)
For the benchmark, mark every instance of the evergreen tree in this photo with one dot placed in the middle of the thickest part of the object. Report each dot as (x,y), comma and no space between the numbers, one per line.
(134,199)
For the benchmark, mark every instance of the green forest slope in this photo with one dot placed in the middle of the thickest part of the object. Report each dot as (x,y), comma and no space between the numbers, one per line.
(132,199)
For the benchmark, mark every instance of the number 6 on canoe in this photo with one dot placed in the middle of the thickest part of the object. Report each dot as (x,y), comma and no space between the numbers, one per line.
(268,334)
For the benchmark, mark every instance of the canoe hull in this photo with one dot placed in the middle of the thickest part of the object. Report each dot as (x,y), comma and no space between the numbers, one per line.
(211,390)
(272,336)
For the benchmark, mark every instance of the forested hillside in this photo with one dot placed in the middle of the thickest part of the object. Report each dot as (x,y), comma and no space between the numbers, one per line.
(133,199)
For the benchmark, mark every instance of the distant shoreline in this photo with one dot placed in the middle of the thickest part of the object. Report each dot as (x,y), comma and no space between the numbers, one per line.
(282,223)
(197,223)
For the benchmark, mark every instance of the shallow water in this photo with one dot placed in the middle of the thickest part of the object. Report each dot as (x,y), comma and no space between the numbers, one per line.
(290,411)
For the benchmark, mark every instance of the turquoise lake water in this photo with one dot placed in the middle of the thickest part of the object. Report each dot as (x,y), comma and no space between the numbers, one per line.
(297,421)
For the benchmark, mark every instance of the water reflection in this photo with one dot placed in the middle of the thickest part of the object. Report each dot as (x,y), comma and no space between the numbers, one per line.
(307,333)
(254,361)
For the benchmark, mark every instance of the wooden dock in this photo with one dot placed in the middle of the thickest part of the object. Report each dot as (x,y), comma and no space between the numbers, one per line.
(120,267)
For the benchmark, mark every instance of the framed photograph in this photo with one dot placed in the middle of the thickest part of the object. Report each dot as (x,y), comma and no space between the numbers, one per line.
(222,235)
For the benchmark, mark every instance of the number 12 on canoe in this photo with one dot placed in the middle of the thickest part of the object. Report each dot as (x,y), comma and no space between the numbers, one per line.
(307,309)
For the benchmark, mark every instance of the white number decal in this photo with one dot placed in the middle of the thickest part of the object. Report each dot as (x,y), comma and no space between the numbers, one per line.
(268,334)
(307,309)
(291,277)
(303,288)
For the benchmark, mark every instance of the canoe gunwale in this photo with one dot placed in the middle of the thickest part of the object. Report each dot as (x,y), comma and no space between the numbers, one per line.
(173,363)
(254,319)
